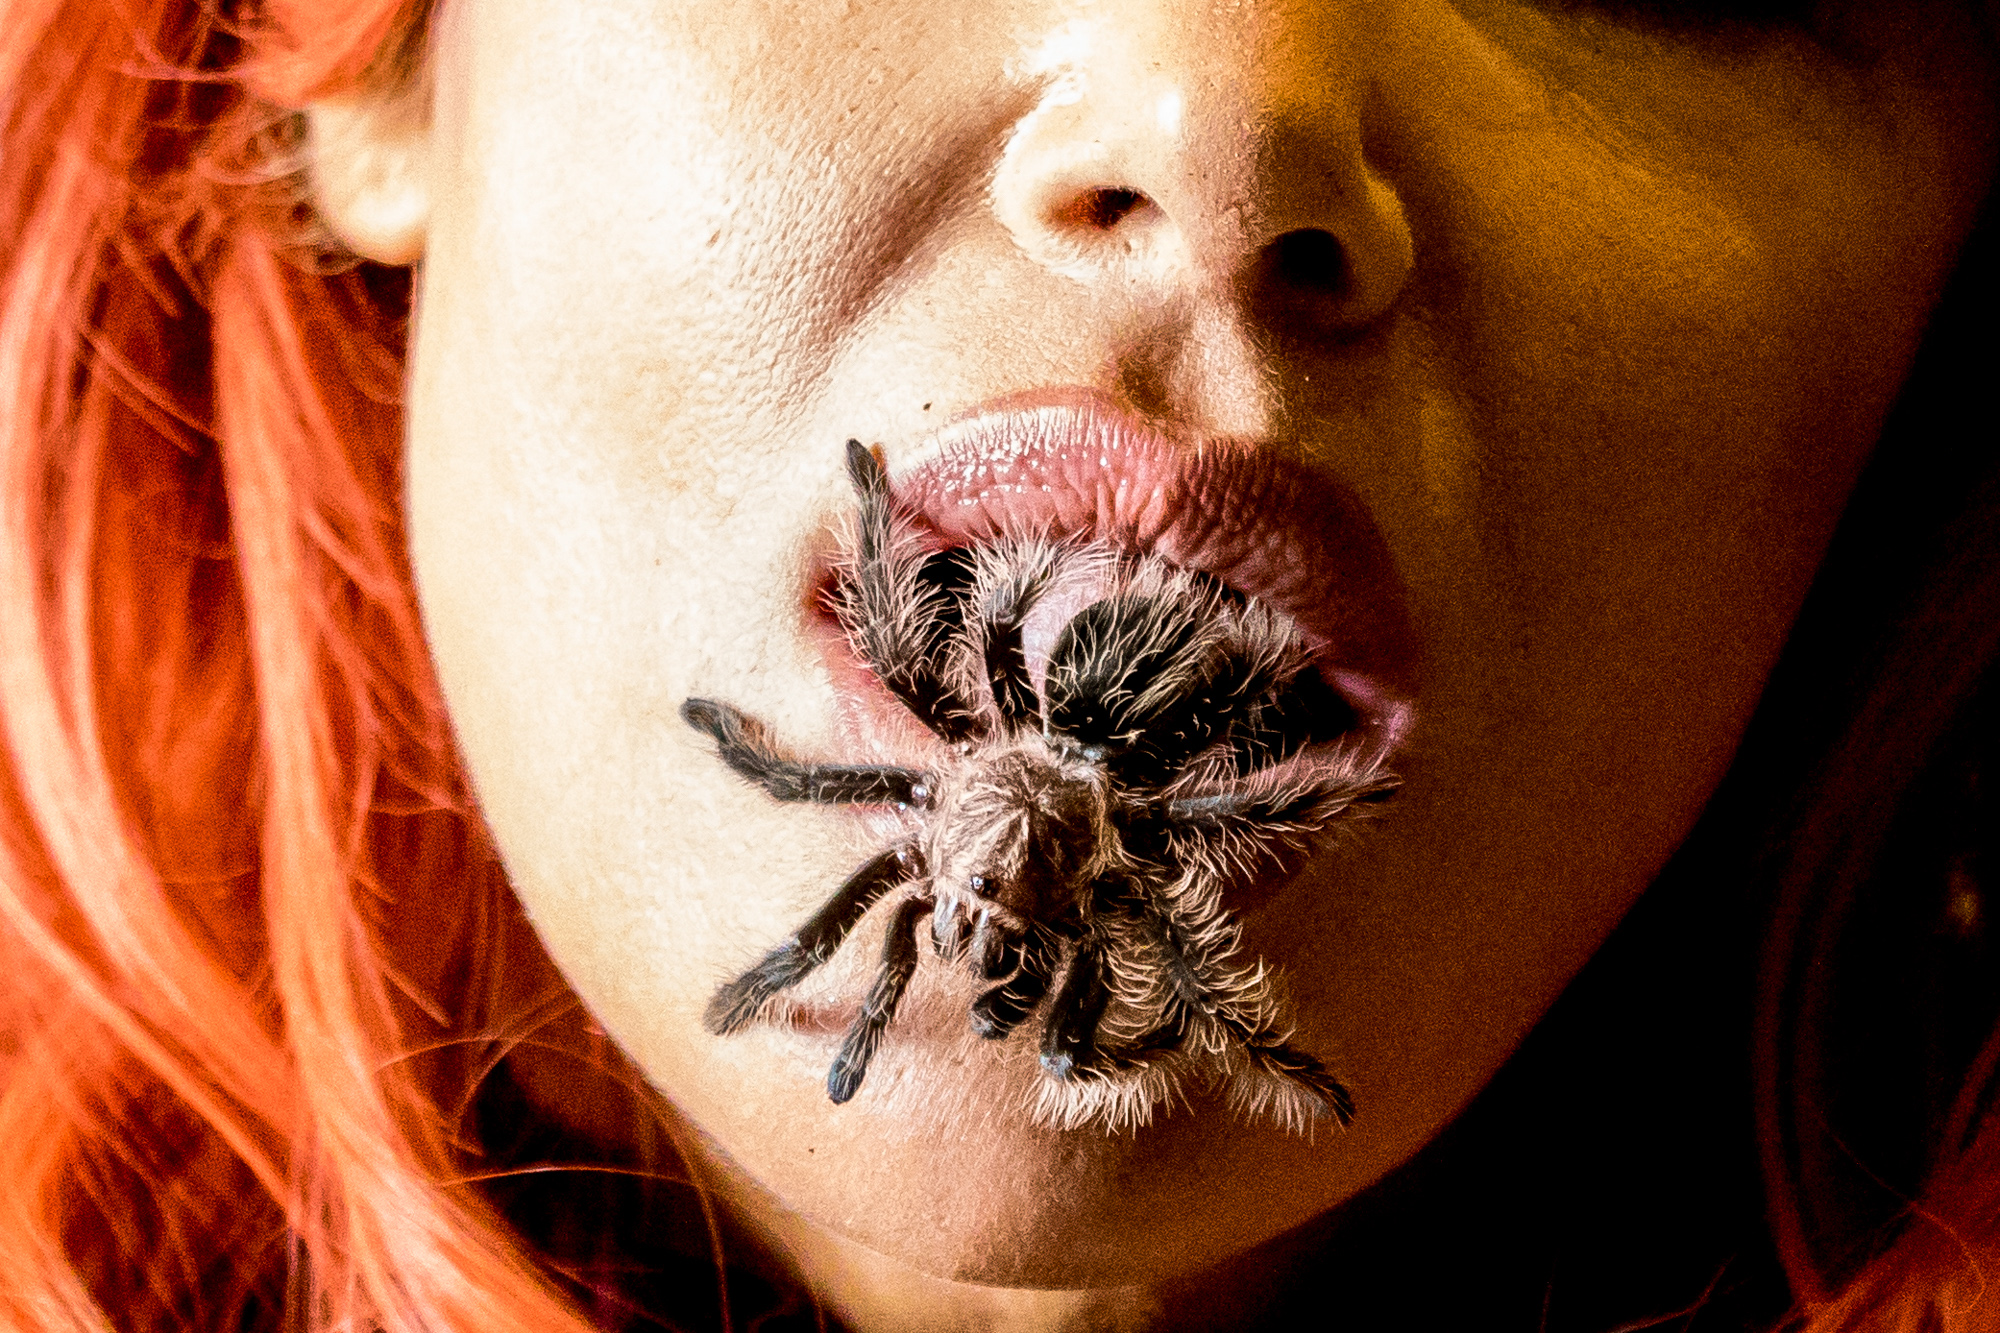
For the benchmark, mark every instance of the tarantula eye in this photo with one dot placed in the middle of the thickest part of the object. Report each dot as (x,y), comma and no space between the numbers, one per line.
(977,883)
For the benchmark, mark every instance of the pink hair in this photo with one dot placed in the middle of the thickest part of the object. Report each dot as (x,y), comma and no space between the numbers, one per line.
(247,916)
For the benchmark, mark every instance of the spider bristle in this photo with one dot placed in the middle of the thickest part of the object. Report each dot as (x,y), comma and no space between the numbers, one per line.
(1111,1104)
(1278,1081)
(1229,827)
(1254,1096)
(898,608)
(736,1003)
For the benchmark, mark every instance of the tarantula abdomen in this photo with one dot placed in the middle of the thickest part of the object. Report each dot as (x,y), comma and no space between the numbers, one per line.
(1074,840)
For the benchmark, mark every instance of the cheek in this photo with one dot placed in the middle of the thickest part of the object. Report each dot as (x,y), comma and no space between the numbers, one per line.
(1661,311)
(672,283)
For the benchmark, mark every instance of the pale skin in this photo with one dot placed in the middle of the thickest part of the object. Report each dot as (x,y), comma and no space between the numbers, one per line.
(1624,312)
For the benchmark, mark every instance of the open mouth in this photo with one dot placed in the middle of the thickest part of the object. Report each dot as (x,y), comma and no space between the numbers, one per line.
(1074,467)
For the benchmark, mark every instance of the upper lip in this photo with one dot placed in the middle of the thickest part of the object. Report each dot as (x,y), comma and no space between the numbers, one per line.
(1074,464)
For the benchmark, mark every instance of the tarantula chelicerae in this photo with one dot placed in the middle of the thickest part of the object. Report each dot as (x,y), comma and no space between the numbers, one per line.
(1092,809)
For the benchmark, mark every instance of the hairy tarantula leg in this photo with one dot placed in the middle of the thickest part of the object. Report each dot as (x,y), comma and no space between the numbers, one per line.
(1007,674)
(899,964)
(1281,721)
(898,626)
(1279,808)
(1265,1048)
(1000,1010)
(1112,667)
(740,741)
(1069,1038)
(995,625)
(1288,1062)
(737,1003)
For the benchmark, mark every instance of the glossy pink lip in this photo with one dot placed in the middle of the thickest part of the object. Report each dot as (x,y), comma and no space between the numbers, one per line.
(1077,465)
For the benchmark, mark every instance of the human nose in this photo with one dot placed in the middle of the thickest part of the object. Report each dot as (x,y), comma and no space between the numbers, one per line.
(1186,150)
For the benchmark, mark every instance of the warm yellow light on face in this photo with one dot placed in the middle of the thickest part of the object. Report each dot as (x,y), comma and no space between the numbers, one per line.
(1573,312)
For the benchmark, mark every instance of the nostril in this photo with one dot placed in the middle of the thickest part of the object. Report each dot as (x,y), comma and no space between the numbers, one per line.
(1309,262)
(1304,284)
(1101,209)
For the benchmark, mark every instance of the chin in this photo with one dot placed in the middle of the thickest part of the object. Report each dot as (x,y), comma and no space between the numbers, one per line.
(938,1177)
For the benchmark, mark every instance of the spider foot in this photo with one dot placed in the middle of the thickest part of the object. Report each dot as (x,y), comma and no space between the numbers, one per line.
(1302,1071)
(864,1035)
(736,1003)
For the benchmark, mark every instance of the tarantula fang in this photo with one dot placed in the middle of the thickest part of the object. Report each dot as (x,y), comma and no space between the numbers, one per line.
(1073,844)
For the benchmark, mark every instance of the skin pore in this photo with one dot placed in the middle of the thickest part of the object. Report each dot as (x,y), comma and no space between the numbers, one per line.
(1619,306)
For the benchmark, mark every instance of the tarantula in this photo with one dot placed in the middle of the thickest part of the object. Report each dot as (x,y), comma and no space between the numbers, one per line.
(1089,813)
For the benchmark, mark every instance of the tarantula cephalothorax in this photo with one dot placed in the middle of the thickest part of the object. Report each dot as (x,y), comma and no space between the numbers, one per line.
(1093,808)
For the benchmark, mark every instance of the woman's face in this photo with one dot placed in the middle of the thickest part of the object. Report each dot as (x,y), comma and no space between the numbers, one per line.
(1559,334)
